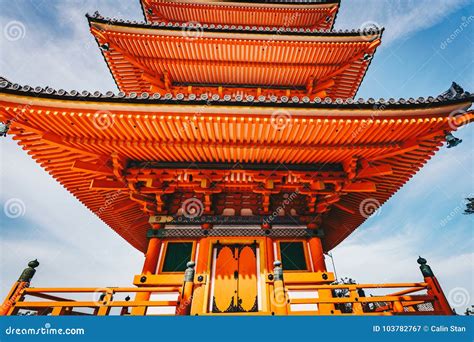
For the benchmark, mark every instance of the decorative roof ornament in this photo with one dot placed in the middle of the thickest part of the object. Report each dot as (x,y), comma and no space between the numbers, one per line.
(4,127)
(451,140)
(454,91)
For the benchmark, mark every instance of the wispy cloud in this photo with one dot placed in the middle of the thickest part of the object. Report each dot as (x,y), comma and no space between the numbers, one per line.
(400,18)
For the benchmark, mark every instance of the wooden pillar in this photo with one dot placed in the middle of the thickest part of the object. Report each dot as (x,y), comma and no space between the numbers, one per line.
(149,267)
(268,263)
(280,300)
(17,289)
(317,254)
(186,298)
(441,303)
(152,253)
(199,299)
(270,258)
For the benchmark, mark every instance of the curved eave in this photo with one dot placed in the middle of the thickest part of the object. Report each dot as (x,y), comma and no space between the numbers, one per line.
(176,104)
(139,56)
(242,13)
(276,33)
(57,130)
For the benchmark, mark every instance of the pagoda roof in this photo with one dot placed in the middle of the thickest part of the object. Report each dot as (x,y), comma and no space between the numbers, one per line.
(161,56)
(78,137)
(307,14)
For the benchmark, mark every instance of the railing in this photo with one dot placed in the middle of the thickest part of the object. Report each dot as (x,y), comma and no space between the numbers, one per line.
(101,301)
(308,293)
(355,302)
(299,295)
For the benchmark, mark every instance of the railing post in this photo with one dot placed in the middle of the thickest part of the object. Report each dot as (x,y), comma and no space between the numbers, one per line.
(105,301)
(356,305)
(184,305)
(149,266)
(18,286)
(434,288)
(279,294)
(398,306)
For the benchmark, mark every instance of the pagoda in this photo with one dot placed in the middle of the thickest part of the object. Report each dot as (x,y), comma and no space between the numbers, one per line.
(234,156)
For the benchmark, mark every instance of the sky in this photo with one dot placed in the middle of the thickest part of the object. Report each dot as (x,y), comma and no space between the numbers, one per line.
(426,45)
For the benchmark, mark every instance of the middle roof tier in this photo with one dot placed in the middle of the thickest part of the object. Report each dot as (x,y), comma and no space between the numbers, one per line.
(180,58)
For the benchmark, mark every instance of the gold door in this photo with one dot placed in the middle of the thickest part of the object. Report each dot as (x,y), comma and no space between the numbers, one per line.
(235,278)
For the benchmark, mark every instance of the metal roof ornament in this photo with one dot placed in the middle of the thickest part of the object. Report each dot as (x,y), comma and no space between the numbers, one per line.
(4,127)
(451,140)
(454,91)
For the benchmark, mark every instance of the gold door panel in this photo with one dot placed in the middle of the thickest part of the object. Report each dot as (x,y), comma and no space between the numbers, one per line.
(235,279)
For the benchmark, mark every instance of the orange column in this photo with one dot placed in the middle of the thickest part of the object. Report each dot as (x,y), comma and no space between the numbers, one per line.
(151,257)
(198,304)
(186,298)
(17,288)
(269,248)
(434,288)
(317,255)
(279,299)
(149,267)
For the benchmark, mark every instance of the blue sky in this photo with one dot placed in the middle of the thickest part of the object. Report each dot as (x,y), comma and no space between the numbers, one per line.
(75,248)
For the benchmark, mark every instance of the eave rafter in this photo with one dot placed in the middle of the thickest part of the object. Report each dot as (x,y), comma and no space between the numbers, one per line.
(148,185)
(317,16)
(380,153)
(165,74)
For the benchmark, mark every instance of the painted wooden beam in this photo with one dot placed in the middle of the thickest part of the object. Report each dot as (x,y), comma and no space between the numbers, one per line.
(93,168)
(375,171)
(404,148)
(360,187)
(344,208)
(102,184)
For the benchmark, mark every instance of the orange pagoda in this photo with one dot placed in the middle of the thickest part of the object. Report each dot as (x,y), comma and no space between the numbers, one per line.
(234,156)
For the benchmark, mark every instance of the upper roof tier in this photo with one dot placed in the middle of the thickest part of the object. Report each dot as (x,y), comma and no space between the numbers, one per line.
(307,14)
(109,150)
(230,60)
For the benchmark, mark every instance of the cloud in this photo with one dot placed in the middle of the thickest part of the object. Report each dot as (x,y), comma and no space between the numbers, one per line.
(401,19)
